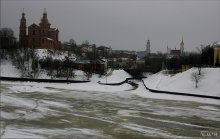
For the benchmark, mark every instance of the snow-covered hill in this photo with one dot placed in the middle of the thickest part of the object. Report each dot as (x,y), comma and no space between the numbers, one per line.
(8,69)
(182,82)
(19,64)
(59,55)
(116,76)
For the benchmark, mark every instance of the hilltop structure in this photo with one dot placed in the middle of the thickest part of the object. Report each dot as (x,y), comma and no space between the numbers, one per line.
(40,36)
(7,39)
(148,47)
(172,53)
(216,48)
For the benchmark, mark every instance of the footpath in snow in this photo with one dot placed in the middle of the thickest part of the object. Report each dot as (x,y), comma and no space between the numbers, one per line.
(209,84)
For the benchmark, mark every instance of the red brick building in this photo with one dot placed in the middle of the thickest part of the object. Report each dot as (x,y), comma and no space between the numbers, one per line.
(40,36)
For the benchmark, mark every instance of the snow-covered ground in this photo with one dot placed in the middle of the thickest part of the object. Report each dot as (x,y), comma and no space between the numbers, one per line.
(59,55)
(90,86)
(38,110)
(8,70)
(142,92)
(116,76)
(90,110)
(182,82)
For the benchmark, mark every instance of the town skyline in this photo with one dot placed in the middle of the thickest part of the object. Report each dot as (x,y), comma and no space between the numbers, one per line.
(124,32)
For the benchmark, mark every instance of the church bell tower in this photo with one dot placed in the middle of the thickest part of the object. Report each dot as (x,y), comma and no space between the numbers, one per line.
(148,47)
(182,46)
(23,31)
(44,21)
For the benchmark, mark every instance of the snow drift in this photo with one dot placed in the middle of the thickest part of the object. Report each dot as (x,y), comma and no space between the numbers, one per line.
(182,82)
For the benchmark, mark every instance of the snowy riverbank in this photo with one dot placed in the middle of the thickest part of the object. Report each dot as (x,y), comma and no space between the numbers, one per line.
(182,82)
(8,70)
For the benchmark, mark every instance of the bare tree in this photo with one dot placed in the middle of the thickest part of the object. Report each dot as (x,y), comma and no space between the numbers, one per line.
(87,74)
(196,77)
(86,43)
(72,42)
(199,69)
(34,67)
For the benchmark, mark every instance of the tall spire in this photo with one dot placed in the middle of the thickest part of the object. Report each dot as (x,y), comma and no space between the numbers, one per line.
(44,21)
(182,46)
(182,41)
(23,30)
(23,20)
(148,47)
(45,10)
(23,16)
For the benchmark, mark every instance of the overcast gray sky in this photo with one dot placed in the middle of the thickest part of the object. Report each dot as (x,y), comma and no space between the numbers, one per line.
(123,24)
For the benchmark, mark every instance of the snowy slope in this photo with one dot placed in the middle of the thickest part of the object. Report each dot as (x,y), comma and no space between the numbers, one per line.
(8,70)
(117,76)
(42,87)
(182,82)
(142,92)
(90,86)
(59,55)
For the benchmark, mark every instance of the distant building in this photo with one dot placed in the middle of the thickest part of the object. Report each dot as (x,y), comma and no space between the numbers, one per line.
(141,54)
(122,59)
(182,46)
(103,50)
(174,53)
(87,48)
(7,38)
(92,66)
(39,36)
(124,56)
(148,47)
(216,54)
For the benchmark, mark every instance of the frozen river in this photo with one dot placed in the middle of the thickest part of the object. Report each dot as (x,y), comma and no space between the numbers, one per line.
(60,113)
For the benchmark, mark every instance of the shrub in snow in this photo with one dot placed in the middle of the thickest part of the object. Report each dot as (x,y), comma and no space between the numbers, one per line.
(87,74)
(196,77)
